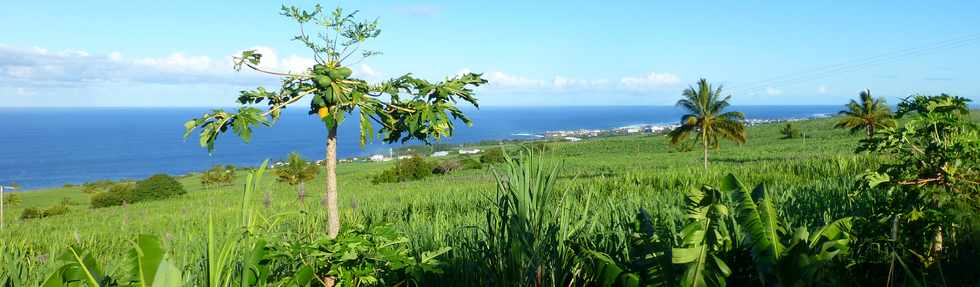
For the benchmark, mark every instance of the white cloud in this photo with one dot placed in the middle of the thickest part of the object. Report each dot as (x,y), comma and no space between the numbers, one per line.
(367,71)
(178,62)
(653,80)
(38,67)
(822,89)
(500,79)
(773,91)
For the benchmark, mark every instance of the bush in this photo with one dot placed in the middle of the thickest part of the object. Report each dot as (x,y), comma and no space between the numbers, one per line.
(31,212)
(412,168)
(159,186)
(447,166)
(156,187)
(97,186)
(56,210)
(471,163)
(218,176)
(117,195)
(494,155)
(790,132)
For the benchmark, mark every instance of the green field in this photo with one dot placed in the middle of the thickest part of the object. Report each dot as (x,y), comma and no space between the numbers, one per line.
(609,178)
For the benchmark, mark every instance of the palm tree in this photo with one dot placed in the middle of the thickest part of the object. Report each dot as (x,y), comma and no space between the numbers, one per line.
(297,171)
(868,115)
(706,118)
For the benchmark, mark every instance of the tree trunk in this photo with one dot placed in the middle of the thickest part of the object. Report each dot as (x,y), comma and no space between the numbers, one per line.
(704,140)
(333,215)
(301,191)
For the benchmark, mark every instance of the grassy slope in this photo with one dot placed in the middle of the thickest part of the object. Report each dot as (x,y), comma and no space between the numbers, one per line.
(624,173)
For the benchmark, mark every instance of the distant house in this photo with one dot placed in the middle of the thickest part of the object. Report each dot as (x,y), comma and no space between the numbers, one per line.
(404,157)
(469,151)
(572,139)
(440,154)
(377,157)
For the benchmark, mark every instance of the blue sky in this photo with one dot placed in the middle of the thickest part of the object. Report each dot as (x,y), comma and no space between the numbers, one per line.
(176,53)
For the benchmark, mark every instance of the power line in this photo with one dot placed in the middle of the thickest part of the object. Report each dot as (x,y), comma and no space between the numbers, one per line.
(831,70)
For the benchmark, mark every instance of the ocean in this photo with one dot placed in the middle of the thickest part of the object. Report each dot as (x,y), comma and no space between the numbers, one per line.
(49,147)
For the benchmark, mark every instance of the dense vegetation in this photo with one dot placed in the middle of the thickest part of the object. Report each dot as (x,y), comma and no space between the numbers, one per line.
(604,183)
(156,187)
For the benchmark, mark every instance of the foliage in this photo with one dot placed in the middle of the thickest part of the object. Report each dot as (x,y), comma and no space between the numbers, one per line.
(406,108)
(151,266)
(530,226)
(157,187)
(707,119)
(96,186)
(870,114)
(493,155)
(218,175)
(32,213)
(118,194)
(932,182)
(412,168)
(447,166)
(471,163)
(808,186)
(790,132)
(12,199)
(296,170)
(782,256)
(360,256)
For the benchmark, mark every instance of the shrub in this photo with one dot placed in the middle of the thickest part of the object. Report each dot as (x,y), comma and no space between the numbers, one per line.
(158,186)
(56,210)
(412,168)
(218,176)
(97,186)
(471,163)
(494,155)
(447,166)
(117,195)
(790,132)
(31,212)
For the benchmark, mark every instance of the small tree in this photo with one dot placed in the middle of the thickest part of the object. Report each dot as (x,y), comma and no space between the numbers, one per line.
(933,176)
(218,175)
(707,119)
(406,107)
(869,115)
(296,172)
(789,131)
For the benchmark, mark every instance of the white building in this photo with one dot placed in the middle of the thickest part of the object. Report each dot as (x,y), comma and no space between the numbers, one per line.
(377,157)
(469,151)
(440,154)
(572,139)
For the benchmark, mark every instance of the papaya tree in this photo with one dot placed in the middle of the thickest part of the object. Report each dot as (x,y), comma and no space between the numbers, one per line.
(404,108)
